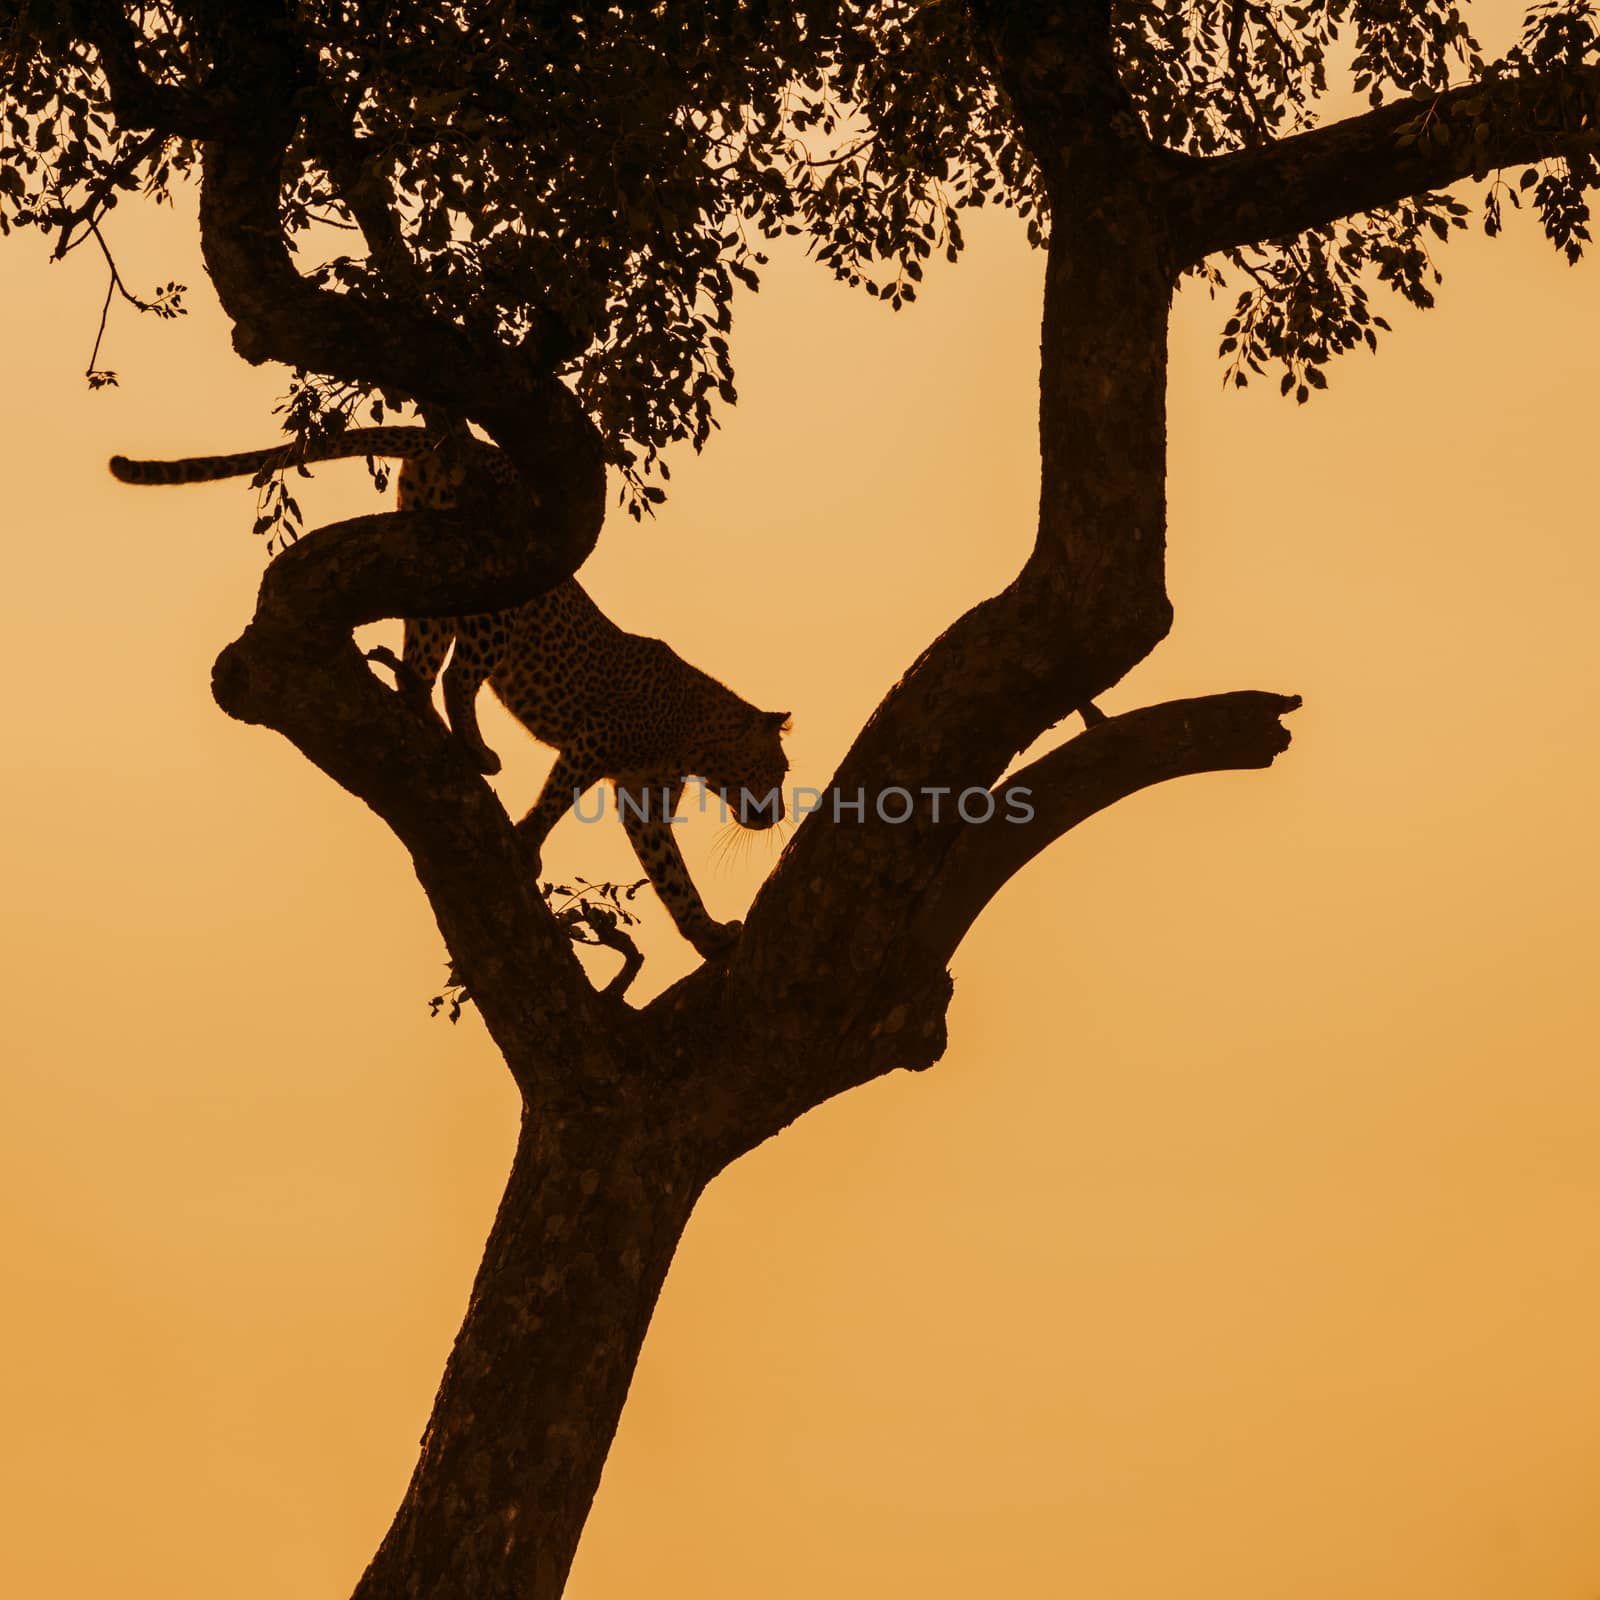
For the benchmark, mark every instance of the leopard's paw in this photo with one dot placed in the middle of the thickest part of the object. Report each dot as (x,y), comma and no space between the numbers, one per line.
(716,939)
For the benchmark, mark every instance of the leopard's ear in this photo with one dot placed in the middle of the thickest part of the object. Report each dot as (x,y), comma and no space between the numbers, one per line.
(776,719)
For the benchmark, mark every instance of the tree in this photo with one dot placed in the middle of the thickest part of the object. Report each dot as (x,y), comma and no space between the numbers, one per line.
(629,1115)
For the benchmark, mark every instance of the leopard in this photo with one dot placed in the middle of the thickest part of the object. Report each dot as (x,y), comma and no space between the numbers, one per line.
(613,704)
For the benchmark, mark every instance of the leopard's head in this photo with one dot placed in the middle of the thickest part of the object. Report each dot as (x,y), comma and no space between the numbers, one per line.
(745,763)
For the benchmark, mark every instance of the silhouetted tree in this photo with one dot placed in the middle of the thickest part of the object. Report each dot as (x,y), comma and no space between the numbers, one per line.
(550,206)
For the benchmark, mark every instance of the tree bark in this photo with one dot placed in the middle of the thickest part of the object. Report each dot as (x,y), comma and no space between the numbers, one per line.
(529,1402)
(1371,162)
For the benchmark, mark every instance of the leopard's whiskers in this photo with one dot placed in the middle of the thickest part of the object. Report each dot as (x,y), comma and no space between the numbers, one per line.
(735,842)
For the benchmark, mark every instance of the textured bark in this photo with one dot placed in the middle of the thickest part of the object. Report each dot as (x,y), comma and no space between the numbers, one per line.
(1222,732)
(1315,178)
(530,1398)
(840,974)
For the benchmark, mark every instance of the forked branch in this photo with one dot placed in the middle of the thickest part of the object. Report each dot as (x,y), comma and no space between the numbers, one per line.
(141,102)
(1109,762)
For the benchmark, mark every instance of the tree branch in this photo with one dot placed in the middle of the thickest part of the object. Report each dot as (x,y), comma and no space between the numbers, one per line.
(1114,759)
(140,101)
(1276,190)
(862,1020)
(315,688)
(861,956)
(351,163)
(90,211)
(1087,606)
(399,564)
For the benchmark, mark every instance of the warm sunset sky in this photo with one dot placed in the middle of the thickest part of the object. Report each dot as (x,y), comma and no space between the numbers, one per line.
(1245,1245)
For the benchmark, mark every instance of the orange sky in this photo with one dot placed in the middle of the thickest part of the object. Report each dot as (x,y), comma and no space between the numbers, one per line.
(1245,1243)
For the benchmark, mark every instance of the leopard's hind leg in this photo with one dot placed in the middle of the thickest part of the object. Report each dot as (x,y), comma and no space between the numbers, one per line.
(427,643)
(479,641)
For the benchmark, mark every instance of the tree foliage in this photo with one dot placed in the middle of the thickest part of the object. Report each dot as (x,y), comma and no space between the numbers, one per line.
(594,180)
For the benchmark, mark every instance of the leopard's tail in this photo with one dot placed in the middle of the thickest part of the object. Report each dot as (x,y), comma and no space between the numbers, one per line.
(404,443)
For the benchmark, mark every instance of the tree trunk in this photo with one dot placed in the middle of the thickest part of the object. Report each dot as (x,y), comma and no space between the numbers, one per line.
(596,1203)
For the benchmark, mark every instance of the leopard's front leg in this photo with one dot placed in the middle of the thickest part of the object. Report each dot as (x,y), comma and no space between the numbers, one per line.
(647,817)
(573,773)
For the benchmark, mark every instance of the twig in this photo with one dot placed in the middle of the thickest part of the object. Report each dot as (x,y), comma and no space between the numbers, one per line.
(92,208)
(116,286)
